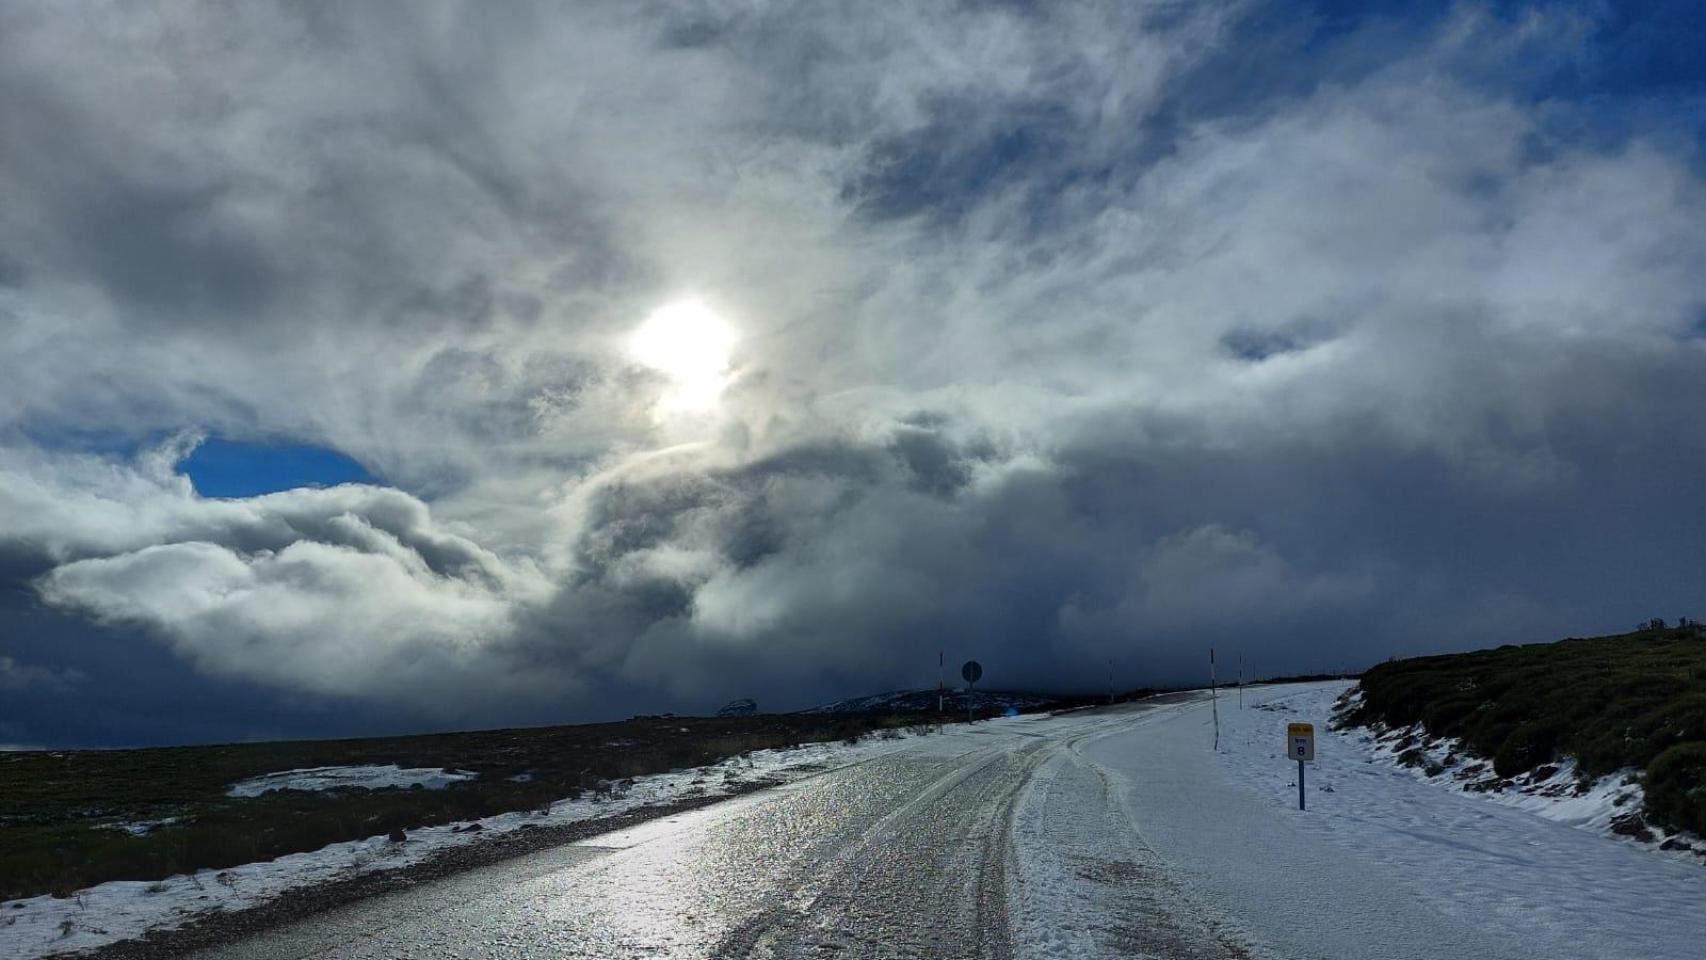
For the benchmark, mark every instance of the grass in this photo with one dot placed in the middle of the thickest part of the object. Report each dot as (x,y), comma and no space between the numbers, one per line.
(59,811)
(1635,700)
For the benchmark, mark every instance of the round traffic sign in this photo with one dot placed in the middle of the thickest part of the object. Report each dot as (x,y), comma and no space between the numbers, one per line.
(972,671)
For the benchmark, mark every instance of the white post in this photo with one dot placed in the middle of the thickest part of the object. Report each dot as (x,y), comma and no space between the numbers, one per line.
(1214,699)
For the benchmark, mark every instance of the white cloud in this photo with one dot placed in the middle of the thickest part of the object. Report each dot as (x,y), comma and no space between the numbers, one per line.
(345,590)
(318,617)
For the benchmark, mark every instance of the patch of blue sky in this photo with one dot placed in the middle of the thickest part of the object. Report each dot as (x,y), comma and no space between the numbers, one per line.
(232,468)
(218,467)
(1626,50)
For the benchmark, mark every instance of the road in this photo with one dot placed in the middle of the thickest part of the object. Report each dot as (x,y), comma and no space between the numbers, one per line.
(1111,833)
(906,855)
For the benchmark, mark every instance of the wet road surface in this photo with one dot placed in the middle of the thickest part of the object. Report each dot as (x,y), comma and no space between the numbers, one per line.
(906,855)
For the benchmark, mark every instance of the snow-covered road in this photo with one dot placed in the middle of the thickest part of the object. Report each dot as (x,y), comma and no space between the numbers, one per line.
(1381,865)
(906,854)
(1115,832)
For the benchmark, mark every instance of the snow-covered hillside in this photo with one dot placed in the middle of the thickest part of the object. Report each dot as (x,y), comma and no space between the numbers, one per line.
(1610,805)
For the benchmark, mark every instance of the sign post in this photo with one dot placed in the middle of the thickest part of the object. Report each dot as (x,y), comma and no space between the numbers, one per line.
(972,672)
(1300,746)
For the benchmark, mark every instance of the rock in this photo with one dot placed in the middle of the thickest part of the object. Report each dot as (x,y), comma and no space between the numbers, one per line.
(1632,826)
(1675,844)
(397,835)
(467,828)
(739,708)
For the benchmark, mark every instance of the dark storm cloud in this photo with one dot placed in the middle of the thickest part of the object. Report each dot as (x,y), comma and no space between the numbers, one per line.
(1068,334)
(1301,554)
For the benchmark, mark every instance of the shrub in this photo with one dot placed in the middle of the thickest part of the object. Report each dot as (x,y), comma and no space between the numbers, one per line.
(1446,716)
(1610,702)
(1676,787)
(1527,747)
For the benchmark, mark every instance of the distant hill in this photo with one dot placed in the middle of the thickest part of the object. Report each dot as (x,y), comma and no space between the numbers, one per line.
(907,701)
(1634,701)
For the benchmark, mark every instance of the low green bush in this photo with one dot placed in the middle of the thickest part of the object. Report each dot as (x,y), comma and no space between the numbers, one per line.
(1675,785)
(1630,701)
(1527,747)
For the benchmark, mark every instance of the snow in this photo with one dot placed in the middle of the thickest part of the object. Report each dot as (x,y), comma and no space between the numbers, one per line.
(1086,886)
(142,828)
(121,910)
(363,777)
(1557,795)
(1383,863)
(1135,838)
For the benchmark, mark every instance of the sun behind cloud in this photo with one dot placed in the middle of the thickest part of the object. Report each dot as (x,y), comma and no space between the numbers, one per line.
(690,344)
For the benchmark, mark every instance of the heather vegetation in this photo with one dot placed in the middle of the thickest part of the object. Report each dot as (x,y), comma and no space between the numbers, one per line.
(1631,701)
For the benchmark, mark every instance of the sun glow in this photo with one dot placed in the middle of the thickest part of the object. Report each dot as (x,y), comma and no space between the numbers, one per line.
(688,343)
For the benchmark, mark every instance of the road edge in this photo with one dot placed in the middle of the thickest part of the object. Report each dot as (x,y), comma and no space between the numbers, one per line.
(218,928)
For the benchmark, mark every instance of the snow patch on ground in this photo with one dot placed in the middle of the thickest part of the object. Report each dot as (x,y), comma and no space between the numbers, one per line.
(140,828)
(124,909)
(361,777)
(1610,805)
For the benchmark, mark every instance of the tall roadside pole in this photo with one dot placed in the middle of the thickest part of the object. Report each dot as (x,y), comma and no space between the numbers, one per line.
(1214,699)
(941,681)
(1240,680)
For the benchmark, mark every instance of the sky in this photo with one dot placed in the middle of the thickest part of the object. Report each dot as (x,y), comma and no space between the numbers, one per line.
(402,366)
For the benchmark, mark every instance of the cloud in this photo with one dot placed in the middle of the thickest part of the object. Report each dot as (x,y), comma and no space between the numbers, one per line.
(313,616)
(16,677)
(347,590)
(1087,331)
